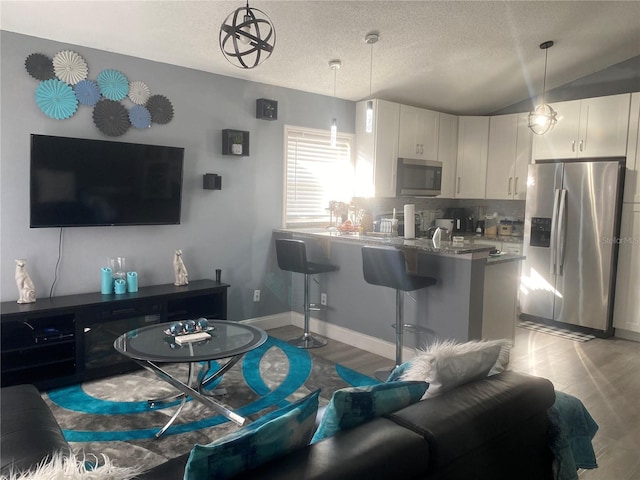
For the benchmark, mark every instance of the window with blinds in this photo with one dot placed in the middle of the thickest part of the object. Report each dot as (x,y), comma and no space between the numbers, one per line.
(316,173)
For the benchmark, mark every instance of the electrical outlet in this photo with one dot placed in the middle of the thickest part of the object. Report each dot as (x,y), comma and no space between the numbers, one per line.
(256,295)
(323,299)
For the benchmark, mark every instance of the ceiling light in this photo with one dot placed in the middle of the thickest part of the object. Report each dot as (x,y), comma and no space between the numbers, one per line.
(543,117)
(247,37)
(335,66)
(370,38)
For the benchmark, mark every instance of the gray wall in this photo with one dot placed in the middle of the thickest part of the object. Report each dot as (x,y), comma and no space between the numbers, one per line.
(228,229)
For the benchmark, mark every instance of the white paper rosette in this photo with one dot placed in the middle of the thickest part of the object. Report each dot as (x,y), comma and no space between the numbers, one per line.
(70,67)
(139,93)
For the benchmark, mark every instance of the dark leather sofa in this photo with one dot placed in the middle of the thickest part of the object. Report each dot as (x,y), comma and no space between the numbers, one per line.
(494,428)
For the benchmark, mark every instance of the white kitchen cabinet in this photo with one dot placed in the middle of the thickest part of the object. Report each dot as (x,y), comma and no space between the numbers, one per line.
(588,128)
(509,154)
(418,134)
(632,177)
(377,152)
(626,312)
(447,152)
(471,165)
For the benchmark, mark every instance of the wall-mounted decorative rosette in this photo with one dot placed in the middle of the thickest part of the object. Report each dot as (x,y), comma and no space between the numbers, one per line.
(70,67)
(87,92)
(111,118)
(160,108)
(39,66)
(113,84)
(139,93)
(140,116)
(56,99)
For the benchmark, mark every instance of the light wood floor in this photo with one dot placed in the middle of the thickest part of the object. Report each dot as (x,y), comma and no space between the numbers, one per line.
(604,374)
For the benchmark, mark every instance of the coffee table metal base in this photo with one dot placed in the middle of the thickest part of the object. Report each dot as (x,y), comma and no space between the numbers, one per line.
(197,393)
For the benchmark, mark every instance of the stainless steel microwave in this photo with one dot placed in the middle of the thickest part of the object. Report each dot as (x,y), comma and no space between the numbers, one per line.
(418,178)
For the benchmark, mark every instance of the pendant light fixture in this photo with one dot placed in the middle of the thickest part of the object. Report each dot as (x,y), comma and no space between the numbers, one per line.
(335,66)
(543,118)
(370,38)
(247,37)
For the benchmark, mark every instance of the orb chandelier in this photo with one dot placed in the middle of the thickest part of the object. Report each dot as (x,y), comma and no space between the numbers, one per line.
(543,118)
(247,37)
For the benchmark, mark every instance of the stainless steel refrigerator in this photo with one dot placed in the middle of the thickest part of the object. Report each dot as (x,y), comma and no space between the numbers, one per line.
(572,221)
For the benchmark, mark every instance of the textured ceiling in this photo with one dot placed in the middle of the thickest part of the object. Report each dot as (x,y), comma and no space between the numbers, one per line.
(471,57)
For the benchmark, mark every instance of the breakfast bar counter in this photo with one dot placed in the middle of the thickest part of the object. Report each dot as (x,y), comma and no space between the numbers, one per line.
(450,309)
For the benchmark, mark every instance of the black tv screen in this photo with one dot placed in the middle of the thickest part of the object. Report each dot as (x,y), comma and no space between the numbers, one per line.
(81,183)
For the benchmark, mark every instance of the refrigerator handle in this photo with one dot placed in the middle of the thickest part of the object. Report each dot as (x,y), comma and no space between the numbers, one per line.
(562,230)
(554,232)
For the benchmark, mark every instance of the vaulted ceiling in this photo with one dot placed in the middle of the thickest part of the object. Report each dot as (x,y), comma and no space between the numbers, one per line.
(462,57)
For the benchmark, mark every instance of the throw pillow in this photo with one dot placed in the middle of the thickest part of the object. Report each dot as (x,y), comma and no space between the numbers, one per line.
(271,436)
(350,407)
(448,364)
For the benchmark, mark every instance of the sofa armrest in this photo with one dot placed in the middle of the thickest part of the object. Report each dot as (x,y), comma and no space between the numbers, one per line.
(29,431)
(469,417)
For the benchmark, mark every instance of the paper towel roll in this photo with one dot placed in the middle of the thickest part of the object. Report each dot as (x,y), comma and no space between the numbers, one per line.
(410,221)
(106,281)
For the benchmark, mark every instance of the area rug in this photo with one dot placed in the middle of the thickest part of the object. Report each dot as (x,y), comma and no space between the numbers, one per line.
(112,415)
(557,331)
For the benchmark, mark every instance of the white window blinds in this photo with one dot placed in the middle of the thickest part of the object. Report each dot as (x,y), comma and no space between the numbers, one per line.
(315,174)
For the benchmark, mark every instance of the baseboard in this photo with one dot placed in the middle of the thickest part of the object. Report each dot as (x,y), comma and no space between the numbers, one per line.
(333,332)
(627,334)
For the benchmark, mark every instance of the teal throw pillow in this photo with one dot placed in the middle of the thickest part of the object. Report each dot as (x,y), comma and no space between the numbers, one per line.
(271,436)
(350,407)
(397,372)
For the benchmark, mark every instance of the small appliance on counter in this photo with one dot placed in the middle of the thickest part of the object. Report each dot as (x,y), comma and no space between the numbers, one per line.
(459,217)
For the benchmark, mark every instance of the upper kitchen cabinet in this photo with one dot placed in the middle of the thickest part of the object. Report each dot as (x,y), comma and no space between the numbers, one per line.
(471,165)
(447,152)
(418,135)
(510,142)
(377,152)
(588,128)
(631,179)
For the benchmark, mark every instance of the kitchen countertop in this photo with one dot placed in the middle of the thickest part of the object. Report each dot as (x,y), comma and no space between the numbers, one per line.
(467,250)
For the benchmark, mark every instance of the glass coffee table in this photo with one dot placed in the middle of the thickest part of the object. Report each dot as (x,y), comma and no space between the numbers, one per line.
(153,345)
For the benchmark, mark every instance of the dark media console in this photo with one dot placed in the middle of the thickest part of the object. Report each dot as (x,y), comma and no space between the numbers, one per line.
(65,340)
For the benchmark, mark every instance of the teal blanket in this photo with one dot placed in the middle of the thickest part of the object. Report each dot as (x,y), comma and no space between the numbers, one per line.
(570,435)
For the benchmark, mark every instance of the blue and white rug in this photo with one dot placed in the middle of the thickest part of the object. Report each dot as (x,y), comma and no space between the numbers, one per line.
(112,416)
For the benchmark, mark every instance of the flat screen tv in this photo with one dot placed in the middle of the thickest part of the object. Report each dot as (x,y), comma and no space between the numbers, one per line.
(78,182)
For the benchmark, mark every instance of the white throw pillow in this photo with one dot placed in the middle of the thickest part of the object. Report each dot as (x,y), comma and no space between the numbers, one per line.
(448,364)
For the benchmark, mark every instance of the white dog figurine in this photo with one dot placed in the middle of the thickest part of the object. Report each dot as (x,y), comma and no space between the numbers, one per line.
(25,285)
(179,270)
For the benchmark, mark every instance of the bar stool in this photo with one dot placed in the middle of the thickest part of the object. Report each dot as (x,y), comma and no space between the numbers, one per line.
(386,266)
(292,257)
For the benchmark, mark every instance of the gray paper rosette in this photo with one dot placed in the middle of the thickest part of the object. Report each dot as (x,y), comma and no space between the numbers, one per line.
(160,108)
(111,118)
(113,84)
(70,67)
(39,66)
(87,92)
(56,99)
(140,116)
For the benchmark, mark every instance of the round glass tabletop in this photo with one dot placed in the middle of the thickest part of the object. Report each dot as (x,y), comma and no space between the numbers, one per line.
(225,339)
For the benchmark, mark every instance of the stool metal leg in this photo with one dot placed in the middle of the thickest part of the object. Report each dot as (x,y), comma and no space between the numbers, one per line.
(307,340)
(384,373)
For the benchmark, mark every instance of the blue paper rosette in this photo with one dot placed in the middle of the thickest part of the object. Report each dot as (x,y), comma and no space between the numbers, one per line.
(113,84)
(87,92)
(56,99)
(140,116)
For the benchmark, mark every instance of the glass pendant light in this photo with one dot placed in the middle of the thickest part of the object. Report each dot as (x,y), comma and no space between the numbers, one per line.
(335,66)
(370,38)
(543,118)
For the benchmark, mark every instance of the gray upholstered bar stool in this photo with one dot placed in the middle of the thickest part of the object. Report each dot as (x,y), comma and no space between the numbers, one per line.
(386,266)
(292,257)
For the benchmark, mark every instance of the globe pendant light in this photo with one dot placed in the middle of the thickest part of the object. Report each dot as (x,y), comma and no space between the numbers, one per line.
(543,118)
(370,38)
(247,37)
(335,66)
